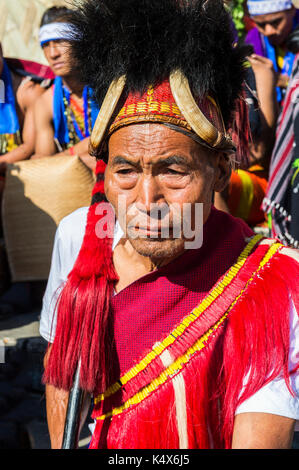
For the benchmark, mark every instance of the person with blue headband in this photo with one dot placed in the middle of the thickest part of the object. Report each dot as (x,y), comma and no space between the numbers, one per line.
(66,113)
(274,20)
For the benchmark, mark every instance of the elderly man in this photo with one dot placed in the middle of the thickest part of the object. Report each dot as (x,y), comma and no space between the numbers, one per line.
(274,21)
(168,305)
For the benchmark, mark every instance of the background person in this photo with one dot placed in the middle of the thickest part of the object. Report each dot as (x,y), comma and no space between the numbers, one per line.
(274,21)
(281,203)
(247,188)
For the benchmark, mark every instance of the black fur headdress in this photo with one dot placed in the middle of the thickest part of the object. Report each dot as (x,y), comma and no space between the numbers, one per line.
(147,39)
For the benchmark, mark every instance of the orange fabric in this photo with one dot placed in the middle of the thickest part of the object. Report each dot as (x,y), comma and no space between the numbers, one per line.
(248,205)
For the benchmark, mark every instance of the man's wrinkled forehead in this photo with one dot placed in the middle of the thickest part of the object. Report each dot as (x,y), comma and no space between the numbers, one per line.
(151,141)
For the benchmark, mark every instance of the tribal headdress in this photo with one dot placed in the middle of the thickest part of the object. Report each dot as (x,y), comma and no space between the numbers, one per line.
(168,61)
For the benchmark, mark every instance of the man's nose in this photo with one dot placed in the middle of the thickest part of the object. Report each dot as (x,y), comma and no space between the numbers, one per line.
(149,192)
(53,50)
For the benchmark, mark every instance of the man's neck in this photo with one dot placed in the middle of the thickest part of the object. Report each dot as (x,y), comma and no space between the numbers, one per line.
(131,266)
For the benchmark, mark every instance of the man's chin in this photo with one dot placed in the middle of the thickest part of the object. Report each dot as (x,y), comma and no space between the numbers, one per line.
(158,249)
(61,72)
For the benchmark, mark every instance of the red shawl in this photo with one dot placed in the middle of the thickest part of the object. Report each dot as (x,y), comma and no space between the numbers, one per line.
(217,321)
(147,310)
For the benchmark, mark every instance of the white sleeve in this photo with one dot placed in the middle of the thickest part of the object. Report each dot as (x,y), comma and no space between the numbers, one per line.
(275,398)
(67,244)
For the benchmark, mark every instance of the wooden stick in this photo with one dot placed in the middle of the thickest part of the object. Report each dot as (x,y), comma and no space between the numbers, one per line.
(74,408)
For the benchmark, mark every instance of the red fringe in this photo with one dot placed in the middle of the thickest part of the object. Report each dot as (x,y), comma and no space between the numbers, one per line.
(82,312)
(151,424)
(256,341)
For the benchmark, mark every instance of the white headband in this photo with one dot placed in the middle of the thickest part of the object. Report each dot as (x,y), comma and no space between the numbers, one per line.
(56,31)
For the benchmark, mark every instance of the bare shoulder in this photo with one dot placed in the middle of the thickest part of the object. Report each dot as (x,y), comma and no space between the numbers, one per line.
(291,252)
(44,104)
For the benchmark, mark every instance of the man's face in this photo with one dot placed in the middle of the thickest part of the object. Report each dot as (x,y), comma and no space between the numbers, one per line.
(59,58)
(154,167)
(275,26)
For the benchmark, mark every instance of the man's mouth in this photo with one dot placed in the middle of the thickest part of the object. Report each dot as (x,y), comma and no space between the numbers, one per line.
(150,231)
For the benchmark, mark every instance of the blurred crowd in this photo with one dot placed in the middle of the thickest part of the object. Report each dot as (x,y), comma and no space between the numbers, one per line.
(47,116)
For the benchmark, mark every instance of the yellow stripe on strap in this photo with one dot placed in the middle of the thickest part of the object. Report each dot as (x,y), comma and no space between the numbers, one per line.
(171,338)
(177,366)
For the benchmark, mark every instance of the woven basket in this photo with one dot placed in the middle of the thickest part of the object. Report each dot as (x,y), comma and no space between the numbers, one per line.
(37,195)
(19,27)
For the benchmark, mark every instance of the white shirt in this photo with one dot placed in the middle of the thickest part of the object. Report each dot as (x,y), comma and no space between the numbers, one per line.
(273,398)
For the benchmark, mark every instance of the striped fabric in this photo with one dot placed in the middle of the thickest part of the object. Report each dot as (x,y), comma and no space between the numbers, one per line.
(282,197)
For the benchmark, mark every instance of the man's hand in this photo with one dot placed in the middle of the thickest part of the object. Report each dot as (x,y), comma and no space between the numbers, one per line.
(259,62)
(263,70)
(56,404)
(266,80)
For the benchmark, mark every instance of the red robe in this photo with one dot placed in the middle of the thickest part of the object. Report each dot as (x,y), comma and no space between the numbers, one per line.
(217,314)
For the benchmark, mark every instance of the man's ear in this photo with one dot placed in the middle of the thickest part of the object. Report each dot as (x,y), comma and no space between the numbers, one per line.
(223,172)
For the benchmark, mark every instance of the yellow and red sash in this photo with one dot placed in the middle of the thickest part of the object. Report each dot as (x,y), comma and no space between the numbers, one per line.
(136,408)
